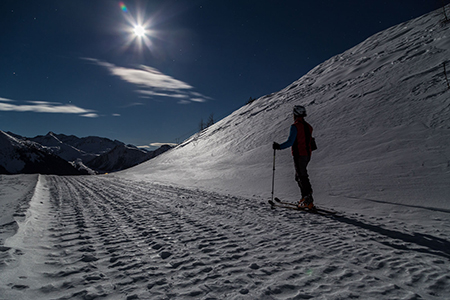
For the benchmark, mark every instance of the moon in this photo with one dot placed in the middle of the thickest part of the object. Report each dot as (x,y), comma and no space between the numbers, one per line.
(139,31)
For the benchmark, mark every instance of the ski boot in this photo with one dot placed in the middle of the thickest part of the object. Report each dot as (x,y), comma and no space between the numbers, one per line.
(306,202)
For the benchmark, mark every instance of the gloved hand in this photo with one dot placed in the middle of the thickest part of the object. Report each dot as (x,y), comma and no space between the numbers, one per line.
(276,146)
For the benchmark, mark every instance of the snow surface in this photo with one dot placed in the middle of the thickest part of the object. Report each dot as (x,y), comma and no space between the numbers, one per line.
(194,222)
(89,237)
(15,194)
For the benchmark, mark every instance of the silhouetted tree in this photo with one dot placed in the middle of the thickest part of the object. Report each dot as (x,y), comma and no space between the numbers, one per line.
(204,125)
(251,100)
(210,120)
(201,126)
(444,11)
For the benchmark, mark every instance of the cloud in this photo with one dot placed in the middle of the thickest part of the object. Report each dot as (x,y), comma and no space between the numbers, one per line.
(170,94)
(152,83)
(91,115)
(162,144)
(132,104)
(154,146)
(149,77)
(198,99)
(42,107)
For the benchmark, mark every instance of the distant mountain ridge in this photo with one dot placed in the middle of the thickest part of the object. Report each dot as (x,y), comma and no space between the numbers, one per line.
(74,155)
(22,156)
(72,148)
(123,157)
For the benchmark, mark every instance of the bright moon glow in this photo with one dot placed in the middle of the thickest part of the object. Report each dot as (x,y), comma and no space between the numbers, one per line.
(139,31)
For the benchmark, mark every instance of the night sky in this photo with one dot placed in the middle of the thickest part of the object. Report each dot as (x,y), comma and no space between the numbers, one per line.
(78,67)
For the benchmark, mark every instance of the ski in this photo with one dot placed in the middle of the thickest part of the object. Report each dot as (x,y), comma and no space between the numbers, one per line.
(316,208)
(293,206)
(313,211)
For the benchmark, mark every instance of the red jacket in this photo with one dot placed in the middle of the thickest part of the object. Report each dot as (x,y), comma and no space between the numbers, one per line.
(302,144)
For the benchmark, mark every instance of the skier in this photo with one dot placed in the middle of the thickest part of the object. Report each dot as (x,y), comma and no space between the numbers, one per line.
(300,138)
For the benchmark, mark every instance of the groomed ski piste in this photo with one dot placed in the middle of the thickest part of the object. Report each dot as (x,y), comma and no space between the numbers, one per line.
(194,223)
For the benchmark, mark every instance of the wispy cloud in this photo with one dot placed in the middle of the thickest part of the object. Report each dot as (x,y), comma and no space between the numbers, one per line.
(162,144)
(170,94)
(132,104)
(43,107)
(184,102)
(154,146)
(90,115)
(152,83)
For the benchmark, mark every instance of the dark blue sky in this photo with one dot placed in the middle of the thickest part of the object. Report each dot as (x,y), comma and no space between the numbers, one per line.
(76,67)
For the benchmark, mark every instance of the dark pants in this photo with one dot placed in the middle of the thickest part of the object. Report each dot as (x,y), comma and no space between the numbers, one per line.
(301,174)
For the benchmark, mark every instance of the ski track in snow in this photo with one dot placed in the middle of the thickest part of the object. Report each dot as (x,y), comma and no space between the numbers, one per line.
(15,194)
(111,238)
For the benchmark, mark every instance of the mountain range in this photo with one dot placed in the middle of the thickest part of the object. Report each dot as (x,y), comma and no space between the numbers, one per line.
(68,155)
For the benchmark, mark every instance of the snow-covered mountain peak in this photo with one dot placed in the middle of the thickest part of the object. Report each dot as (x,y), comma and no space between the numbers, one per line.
(51,134)
(7,141)
(22,156)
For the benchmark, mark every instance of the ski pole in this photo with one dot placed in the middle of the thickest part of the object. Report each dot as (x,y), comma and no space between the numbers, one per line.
(273,174)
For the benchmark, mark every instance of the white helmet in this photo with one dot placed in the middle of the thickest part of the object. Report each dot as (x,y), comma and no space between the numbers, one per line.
(299,111)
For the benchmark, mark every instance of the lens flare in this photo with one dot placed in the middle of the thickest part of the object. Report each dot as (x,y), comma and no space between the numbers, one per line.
(123,7)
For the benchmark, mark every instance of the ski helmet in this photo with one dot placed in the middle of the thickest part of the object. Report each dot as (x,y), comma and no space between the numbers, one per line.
(299,111)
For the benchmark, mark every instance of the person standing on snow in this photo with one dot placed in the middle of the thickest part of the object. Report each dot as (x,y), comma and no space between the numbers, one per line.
(300,139)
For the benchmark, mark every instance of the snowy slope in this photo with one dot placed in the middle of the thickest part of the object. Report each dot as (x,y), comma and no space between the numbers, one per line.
(381,118)
(10,161)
